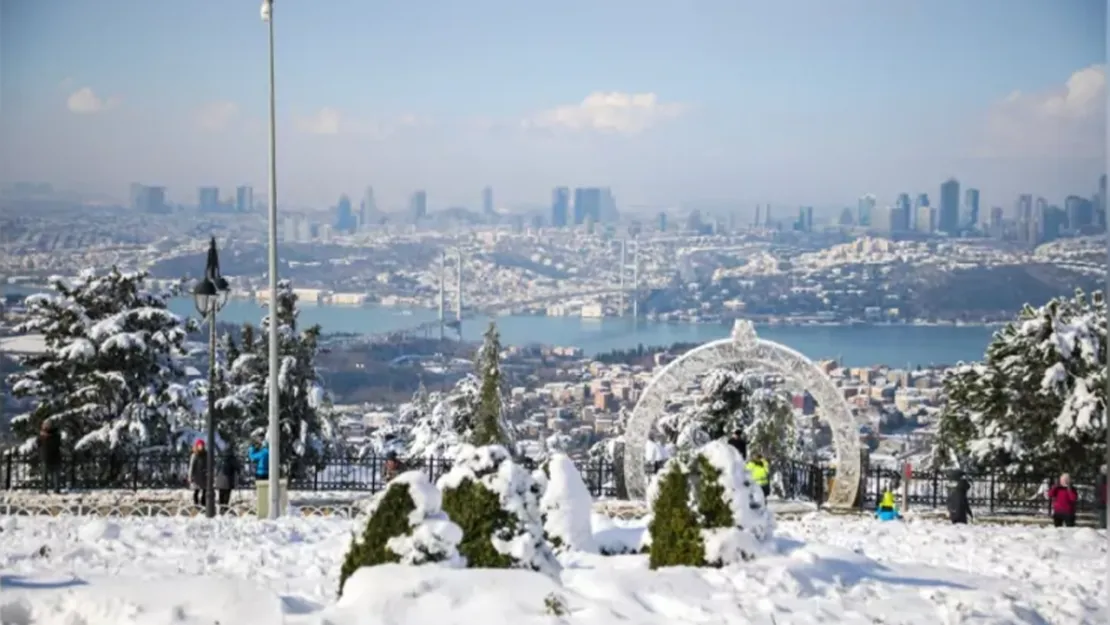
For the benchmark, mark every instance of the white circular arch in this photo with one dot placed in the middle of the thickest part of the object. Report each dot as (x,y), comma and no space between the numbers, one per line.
(747,349)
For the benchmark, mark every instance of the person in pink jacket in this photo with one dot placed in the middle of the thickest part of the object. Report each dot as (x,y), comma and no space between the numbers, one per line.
(1063,497)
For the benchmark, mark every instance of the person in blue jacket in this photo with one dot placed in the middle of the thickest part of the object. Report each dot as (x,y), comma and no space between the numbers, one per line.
(260,457)
(887,510)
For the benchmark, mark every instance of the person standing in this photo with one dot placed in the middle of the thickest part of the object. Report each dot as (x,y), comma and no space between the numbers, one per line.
(1100,496)
(761,473)
(260,457)
(1063,498)
(226,477)
(50,448)
(739,443)
(198,473)
(959,508)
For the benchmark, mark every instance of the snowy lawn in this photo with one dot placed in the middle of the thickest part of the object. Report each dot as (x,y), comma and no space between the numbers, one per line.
(828,569)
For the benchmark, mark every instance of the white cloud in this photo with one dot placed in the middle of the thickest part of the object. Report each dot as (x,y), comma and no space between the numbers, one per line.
(329,121)
(84,101)
(326,121)
(1066,121)
(622,113)
(216,115)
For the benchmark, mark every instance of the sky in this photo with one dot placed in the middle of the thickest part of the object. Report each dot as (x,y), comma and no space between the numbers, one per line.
(665,101)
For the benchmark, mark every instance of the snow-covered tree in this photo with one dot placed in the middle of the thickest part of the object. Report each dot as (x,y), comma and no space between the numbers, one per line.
(307,428)
(490,427)
(731,400)
(1038,401)
(439,432)
(566,507)
(111,373)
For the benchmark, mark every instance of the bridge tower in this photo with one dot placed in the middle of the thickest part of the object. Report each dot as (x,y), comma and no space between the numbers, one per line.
(625,268)
(442,293)
(459,296)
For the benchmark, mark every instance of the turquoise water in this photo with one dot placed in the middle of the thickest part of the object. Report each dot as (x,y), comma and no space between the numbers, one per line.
(854,345)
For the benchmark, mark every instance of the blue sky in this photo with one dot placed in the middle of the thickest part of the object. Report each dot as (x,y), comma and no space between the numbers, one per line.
(813,102)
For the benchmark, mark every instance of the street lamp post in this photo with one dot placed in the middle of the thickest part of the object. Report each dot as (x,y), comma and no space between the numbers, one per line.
(210,295)
(274,434)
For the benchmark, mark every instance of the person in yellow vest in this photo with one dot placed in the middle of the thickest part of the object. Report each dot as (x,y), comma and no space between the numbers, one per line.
(888,509)
(761,473)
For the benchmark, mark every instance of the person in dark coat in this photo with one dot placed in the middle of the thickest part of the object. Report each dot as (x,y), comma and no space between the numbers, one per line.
(739,443)
(50,447)
(227,474)
(1100,496)
(959,509)
(198,473)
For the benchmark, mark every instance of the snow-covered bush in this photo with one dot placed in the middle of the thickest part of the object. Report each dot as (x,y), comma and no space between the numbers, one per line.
(706,511)
(496,503)
(566,506)
(406,524)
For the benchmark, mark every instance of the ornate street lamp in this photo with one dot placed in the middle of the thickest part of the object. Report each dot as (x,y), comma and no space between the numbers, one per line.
(210,295)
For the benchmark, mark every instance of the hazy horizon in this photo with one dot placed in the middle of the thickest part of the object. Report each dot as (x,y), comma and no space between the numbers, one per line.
(665,103)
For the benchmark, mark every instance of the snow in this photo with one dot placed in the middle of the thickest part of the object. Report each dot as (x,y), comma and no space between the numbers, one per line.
(566,506)
(824,569)
(754,521)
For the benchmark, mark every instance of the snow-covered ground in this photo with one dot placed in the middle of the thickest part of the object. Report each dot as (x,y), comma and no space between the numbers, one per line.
(828,569)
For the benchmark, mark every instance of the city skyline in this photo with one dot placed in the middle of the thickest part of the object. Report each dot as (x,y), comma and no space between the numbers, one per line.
(696,103)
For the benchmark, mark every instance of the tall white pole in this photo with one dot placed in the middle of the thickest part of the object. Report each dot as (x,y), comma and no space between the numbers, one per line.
(275,408)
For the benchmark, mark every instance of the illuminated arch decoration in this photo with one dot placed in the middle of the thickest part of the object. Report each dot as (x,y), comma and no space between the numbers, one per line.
(746,349)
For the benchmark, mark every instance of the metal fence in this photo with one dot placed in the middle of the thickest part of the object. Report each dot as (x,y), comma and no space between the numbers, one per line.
(993,493)
(167,470)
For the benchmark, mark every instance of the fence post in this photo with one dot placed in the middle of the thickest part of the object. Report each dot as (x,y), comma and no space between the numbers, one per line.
(8,472)
(936,487)
(991,505)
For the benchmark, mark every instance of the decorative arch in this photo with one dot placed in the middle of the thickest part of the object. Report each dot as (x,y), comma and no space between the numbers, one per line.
(745,348)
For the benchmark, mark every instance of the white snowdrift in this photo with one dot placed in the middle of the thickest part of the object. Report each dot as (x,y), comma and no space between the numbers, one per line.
(824,569)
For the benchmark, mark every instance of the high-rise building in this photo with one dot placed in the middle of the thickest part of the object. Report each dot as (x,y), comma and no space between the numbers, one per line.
(345,219)
(805,219)
(367,209)
(1079,213)
(244,199)
(560,207)
(150,199)
(661,222)
(487,201)
(924,219)
(418,205)
(208,199)
(588,204)
(1026,222)
(969,216)
(948,217)
(865,209)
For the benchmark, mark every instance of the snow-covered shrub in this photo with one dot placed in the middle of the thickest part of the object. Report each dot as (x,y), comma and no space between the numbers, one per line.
(566,506)
(406,525)
(706,511)
(735,520)
(496,503)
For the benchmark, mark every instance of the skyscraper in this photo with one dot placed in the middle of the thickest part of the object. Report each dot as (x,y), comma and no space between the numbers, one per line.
(345,220)
(864,210)
(244,199)
(487,200)
(948,219)
(560,207)
(418,205)
(208,199)
(969,217)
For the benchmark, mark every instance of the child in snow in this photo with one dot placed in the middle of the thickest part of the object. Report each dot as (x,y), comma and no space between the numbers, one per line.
(887,510)
(198,473)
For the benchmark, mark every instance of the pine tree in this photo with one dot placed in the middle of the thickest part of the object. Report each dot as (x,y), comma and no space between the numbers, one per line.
(1038,401)
(307,431)
(489,427)
(111,374)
